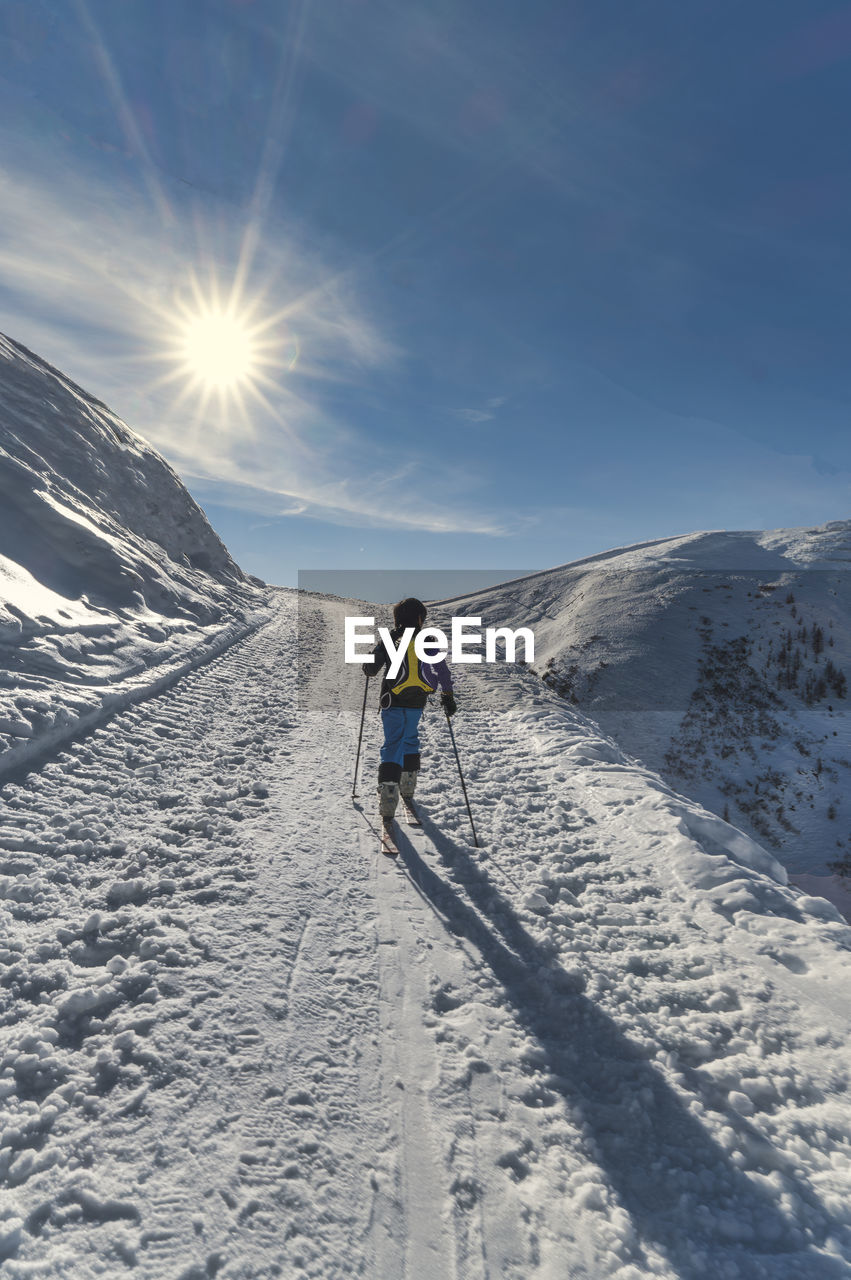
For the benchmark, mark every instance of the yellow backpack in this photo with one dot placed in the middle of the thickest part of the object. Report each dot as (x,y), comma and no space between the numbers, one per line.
(410,675)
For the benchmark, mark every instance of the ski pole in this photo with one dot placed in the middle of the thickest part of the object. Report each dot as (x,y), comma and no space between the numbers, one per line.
(463,786)
(360,737)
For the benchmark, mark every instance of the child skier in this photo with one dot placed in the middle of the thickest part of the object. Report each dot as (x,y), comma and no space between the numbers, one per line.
(402,701)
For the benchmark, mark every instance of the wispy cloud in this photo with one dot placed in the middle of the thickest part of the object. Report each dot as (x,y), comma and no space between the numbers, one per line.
(473,415)
(485,414)
(91,277)
(350,504)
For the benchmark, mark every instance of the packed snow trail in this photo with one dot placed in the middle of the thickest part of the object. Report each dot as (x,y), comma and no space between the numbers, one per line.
(190,1023)
(238,1042)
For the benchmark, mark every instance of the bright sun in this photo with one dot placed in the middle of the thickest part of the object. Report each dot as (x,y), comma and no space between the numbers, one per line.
(218,350)
(227,352)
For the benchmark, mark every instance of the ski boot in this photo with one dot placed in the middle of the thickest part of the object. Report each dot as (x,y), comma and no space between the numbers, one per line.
(388,799)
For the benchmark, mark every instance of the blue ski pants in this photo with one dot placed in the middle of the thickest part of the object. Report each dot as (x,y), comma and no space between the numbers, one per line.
(400,734)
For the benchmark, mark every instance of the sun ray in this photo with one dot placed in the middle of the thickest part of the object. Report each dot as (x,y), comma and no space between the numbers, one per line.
(124,112)
(279,127)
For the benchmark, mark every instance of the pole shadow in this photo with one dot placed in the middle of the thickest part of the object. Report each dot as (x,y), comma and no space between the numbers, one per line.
(679,1185)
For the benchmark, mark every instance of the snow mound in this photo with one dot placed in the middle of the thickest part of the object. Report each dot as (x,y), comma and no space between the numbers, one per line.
(722,660)
(111,577)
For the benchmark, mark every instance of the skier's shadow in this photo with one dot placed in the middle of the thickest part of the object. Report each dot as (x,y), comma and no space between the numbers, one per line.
(679,1185)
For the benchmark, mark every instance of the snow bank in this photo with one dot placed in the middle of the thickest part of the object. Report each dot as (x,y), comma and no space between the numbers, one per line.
(706,854)
(112,581)
(721,660)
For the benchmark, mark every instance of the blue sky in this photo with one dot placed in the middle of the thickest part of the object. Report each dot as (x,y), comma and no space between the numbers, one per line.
(539,280)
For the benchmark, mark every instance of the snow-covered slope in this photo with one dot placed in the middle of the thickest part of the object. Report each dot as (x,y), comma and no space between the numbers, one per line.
(237,1042)
(722,661)
(111,577)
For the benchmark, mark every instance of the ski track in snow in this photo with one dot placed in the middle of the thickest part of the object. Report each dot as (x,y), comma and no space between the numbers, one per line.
(236,1041)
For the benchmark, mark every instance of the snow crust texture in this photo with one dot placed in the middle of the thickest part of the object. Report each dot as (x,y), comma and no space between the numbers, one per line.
(722,660)
(235,1041)
(111,578)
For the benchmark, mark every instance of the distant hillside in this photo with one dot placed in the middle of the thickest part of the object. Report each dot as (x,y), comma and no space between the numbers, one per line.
(721,660)
(110,573)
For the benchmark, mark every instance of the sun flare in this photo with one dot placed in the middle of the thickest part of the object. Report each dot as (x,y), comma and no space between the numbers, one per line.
(228,352)
(218,350)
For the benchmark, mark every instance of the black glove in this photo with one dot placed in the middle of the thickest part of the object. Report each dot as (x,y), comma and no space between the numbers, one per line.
(447,701)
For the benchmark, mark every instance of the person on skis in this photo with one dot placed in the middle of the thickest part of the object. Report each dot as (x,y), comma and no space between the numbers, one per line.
(402,703)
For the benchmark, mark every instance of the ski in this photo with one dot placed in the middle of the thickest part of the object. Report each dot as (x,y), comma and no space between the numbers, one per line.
(388,840)
(411,816)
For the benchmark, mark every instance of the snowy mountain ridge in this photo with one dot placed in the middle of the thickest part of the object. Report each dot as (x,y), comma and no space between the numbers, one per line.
(721,660)
(111,577)
(59,440)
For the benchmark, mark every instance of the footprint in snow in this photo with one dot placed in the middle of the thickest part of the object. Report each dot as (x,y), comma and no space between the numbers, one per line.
(791,962)
(444,1000)
(467,1193)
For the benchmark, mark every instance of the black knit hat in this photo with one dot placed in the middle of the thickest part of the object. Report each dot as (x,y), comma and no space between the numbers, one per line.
(409,613)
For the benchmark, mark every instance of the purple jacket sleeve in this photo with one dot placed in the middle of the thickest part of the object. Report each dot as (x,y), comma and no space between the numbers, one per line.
(441,670)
